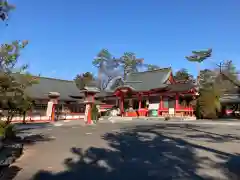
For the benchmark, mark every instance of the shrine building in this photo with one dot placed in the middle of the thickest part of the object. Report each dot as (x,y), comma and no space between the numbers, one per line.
(156,90)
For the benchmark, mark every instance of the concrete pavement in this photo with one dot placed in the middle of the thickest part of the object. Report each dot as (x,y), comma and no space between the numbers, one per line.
(134,150)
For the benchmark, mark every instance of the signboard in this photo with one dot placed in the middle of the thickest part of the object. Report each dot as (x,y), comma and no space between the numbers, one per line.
(171,111)
(153,106)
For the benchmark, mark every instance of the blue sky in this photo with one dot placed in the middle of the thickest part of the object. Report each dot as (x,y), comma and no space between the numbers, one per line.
(65,35)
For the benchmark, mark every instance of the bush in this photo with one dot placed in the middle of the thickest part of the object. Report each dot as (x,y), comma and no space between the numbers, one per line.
(7,130)
(2,128)
(197,111)
(167,118)
(2,132)
(208,105)
(3,123)
(94,112)
(10,132)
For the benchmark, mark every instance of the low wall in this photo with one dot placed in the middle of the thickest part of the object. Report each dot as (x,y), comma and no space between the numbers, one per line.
(39,118)
(35,118)
(161,113)
(71,116)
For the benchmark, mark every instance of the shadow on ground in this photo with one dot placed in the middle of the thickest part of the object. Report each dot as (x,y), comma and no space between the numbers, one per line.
(25,136)
(9,172)
(13,150)
(35,138)
(143,153)
(30,126)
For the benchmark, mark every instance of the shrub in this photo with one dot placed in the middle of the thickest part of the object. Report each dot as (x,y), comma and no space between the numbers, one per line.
(7,130)
(3,123)
(167,118)
(2,131)
(94,112)
(208,105)
(197,111)
(10,132)
(2,128)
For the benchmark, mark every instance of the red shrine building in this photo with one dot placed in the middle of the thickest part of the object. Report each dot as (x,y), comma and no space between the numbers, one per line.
(140,93)
(152,90)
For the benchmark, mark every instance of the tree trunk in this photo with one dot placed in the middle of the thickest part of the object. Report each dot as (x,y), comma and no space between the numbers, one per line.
(9,117)
(100,75)
(24,117)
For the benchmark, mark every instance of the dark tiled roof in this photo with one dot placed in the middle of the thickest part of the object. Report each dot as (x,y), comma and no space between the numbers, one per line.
(143,81)
(230,98)
(233,81)
(97,102)
(45,85)
(180,87)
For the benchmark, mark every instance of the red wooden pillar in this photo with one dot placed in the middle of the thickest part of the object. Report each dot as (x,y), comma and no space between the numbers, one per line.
(53,113)
(177,101)
(139,101)
(54,101)
(161,105)
(161,102)
(148,95)
(89,115)
(89,102)
(122,103)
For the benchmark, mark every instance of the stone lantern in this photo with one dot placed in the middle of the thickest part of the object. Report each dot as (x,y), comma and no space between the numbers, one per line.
(53,101)
(89,100)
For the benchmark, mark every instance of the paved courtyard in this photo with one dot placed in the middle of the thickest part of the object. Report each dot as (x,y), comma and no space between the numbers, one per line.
(133,150)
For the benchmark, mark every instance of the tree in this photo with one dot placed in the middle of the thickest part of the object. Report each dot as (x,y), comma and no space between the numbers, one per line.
(207,78)
(130,63)
(106,65)
(198,57)
(13,98)
(9,54)
(151,67)
(25,104)
(208,102)
(13,79)
(183,75)
(82,80)
(5,8)
(228,77)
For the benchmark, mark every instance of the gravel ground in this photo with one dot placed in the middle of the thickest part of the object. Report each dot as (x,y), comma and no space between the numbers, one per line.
(131,150)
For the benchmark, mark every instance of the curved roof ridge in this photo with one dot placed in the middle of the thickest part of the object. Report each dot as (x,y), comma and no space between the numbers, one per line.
(50,78)
(155,70)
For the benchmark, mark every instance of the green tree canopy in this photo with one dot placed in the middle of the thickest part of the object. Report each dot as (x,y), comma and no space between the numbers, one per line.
(5,8)
(14,79)
(107,67)
(199,56)
(129,63)
(84,79)
(183,75)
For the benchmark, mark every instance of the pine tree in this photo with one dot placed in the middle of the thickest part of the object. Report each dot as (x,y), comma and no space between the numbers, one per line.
(198,57)
(130,63)
(82,80)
